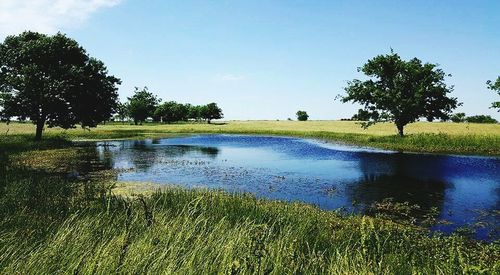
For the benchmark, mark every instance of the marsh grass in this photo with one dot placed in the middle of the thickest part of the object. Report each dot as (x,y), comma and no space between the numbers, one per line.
(201,232)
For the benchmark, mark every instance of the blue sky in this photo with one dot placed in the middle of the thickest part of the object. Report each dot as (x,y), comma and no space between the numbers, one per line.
(268,59)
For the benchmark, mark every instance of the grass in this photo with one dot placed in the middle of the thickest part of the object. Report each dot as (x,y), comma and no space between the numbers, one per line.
(207,232)
(55,224)
(436,137)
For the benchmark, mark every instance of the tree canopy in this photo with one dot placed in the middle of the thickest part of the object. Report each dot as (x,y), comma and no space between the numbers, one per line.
(52,80)
(172,111)
(495,86)
(211,111)
(401,91)
(142,105)
(302,115)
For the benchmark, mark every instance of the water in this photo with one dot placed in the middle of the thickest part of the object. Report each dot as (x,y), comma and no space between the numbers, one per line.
(465,190)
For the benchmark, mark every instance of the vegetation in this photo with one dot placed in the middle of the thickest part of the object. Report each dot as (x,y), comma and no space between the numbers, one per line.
(211,111)
(142,105)
(302,115)
(481,119)
(460,117)
(495,86)
(183,231)
(438,137)
(401,91)
(51,80)
(171,112)
(53,223)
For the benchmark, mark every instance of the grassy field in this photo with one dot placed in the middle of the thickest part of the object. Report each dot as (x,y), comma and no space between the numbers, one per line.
(208,232)
(461,138)
(89,223)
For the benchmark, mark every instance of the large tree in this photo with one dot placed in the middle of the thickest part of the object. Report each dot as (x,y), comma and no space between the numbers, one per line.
(52,81)
(142,105)
(401,91)
(211,111)
(495,86)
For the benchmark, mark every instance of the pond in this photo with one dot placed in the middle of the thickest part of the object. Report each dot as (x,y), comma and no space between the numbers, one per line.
(463,190)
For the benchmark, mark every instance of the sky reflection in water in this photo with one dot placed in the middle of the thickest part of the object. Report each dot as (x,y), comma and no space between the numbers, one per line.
(328,175)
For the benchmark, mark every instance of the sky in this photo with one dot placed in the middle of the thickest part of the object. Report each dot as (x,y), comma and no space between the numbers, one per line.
(266,59)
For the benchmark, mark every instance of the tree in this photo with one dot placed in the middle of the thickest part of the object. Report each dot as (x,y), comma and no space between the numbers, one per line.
(458,117)
(194,112)
(122,111)
(51,80)
(172,111)
(211,111)
(481,119)
(142,105)
(495,87)
(302,115)
(401,91)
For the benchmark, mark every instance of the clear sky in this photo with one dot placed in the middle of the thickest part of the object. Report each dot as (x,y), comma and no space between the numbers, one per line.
(267,59)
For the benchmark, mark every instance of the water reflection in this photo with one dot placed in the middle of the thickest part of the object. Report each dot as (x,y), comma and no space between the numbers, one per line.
(330,176)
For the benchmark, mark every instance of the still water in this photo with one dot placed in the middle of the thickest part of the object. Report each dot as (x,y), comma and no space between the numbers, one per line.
(465,190)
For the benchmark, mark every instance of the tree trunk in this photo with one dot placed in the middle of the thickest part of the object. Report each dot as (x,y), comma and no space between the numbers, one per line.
(400,130)
(39,130)
(208,120)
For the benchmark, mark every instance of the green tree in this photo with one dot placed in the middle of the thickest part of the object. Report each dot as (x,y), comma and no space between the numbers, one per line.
(495,86)
(302,115)
(194,112)
(142,105)
(172,111)
(52,81)
(481,119)
(122,111)
(401,91)
(458,117)
(211,111)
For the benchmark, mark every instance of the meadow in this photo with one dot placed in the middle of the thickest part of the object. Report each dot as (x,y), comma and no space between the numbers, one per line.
(436,137)
(58,221)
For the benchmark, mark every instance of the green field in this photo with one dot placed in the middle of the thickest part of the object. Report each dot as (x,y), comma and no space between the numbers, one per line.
(93,224)
(200,232)
(460,138)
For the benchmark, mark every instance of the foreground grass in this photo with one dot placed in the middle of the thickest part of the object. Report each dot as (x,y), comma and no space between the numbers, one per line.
(206,232)
(460,138)
(52,224)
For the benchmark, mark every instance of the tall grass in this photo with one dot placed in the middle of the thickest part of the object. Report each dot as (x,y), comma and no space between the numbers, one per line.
(55,223)
(204,232)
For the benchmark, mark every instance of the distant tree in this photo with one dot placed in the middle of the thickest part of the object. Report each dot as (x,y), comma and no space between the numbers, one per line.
(52,80)
(122,111)
(142,105)
(481,119)
(302,115)
(211,111)
(194,112)
(458,117)
(172,111)
(495,87)
(401,91)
